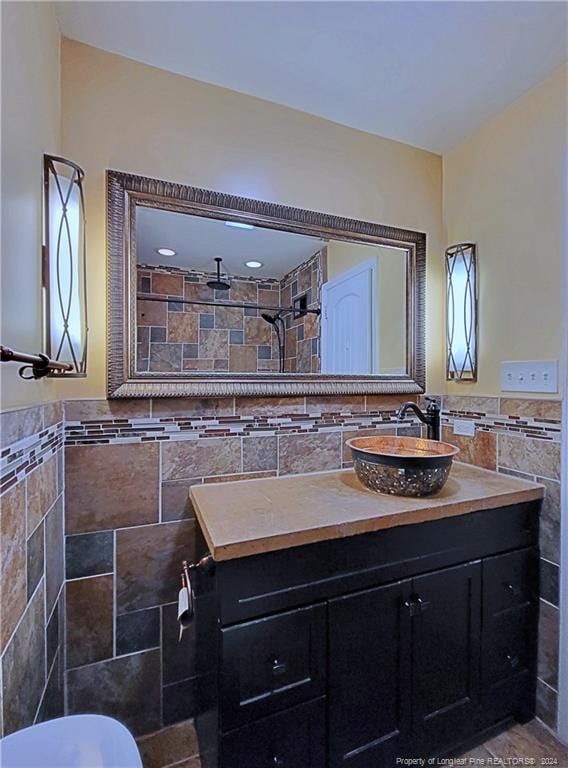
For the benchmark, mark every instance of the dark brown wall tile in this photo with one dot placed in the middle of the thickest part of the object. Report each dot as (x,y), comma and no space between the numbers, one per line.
(12,560)
(151,313)
(532,409)
(148,563)
(127,688)
(167,284)
(178,657)
(138,630)
(182,327)
(95,410)
(53,700)
(54,554)
(536,457)
(110,486)
(176,504)
(193,406)
(179,701)
(198,458)
(550,582)
(548,636)
(546,704)
(260,453)
(41,491)
(242,358)
(89,554)
(309,453)
(23,668)
(89,620)
(470,403)
(550,521)
(34,558)
(268,406)
(480,450)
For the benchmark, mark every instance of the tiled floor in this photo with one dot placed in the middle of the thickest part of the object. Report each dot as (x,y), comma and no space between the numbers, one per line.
(176,747)
(172,747)
(532,740)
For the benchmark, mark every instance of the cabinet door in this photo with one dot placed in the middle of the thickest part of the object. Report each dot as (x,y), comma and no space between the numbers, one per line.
(369,677)
(446,649)
(271,664)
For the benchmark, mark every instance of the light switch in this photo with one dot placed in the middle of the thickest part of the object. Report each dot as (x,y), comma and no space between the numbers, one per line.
(529,376)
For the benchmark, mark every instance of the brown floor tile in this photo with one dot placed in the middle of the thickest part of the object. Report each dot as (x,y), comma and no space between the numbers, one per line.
(478,753)
(169,745)
(532,740)
(111,486)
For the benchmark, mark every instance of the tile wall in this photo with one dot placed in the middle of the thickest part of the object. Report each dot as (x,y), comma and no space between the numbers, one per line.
(172,336)
(128,524)
(31,566)
(522,437)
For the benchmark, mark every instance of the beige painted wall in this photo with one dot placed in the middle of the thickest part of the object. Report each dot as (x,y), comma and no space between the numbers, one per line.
(120,114)
(505,189)
(391,295)
(30,127)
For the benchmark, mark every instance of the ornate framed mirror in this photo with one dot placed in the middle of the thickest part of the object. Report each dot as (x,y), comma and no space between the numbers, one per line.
(212,294)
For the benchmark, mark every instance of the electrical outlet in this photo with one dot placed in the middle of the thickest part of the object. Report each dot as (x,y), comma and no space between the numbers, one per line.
(529,376)
(464,427)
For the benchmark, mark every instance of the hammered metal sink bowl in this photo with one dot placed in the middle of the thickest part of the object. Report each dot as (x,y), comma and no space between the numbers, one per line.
(402,466)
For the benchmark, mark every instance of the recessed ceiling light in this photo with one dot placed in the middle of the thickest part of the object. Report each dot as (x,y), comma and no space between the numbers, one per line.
(239,224)
(253,264)
(166,252)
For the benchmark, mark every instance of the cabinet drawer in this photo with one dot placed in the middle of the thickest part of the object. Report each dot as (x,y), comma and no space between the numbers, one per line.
(271,664)
(289,739)
(508,644)
(509,581)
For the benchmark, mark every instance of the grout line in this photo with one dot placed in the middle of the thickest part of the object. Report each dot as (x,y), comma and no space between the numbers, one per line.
(91,576)
(552,688)
(114,591)
(550,605)
(24,612)
(546,560)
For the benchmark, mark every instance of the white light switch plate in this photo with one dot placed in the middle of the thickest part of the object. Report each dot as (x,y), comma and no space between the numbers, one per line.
(464,427)
(529,376)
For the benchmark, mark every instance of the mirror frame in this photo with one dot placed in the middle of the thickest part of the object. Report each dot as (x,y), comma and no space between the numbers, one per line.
(126,191)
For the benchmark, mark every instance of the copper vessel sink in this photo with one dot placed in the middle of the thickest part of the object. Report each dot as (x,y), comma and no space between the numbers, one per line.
(403,466)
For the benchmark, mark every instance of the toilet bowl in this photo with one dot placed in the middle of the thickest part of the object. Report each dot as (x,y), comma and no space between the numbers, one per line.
(76,741)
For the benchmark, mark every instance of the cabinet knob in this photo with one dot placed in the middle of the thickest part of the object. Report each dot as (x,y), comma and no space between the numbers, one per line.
(278,761)
(513,660)
(278,668)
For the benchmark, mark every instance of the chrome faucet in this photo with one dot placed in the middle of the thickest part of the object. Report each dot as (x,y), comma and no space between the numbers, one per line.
(430,417)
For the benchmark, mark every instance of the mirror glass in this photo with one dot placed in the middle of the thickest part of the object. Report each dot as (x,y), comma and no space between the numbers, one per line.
(222,296)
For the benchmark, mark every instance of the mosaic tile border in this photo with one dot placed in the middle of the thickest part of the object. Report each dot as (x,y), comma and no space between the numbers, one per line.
(19,459)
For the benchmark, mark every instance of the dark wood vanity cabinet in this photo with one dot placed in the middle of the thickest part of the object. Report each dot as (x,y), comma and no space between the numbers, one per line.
(408,642)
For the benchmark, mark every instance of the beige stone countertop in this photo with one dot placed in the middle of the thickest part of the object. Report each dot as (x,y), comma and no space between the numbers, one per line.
(249,517)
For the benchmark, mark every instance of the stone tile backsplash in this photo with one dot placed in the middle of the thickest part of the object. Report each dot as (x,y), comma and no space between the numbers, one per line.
(129,523)
(31,566)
